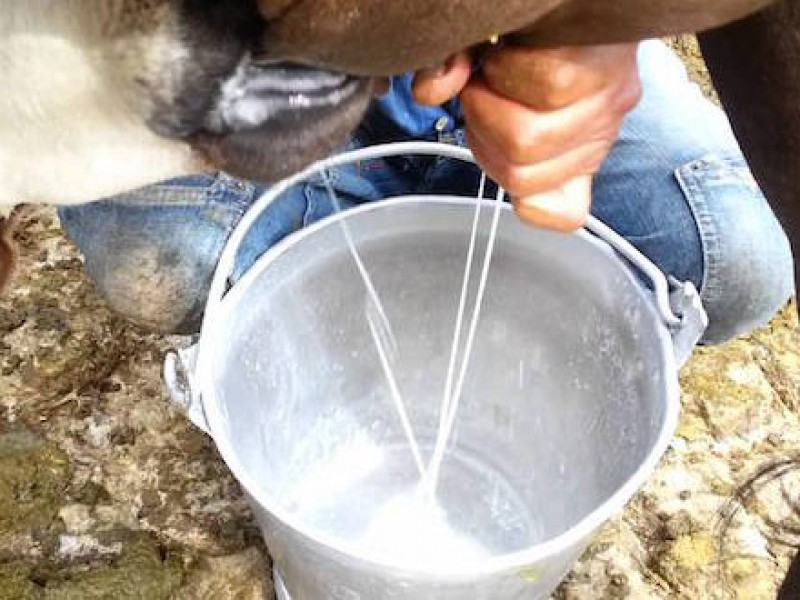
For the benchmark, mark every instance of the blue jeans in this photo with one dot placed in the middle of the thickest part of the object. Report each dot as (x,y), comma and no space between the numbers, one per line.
(675,185)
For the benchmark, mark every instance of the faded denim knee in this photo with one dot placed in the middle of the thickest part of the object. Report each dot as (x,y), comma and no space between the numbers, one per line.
(151,252)
(748,267)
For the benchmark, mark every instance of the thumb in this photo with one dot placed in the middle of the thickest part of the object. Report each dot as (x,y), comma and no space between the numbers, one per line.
(563,209)
(435,86)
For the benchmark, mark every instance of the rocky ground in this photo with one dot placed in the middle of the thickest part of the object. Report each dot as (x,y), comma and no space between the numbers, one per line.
(106,490)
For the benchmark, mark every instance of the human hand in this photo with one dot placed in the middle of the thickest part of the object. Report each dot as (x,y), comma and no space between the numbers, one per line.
(541,122)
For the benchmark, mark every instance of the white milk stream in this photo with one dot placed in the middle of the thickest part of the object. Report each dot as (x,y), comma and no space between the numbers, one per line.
(411,527)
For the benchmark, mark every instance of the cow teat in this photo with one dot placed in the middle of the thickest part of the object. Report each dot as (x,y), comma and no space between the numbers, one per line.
(255,119)
(269,121)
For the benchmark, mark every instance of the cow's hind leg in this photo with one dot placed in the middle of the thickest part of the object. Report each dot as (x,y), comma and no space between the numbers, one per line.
(790,588)
(8,248)
(755,66)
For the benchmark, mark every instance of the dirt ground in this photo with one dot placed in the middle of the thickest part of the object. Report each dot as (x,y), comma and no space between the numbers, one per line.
(106,490)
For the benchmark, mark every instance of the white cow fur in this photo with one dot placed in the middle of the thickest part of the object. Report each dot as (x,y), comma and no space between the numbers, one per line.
(71,126)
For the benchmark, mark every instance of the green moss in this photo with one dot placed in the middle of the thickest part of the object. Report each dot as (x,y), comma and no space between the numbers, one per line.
(15,583)
(34,480)
(140,572)
(34,475)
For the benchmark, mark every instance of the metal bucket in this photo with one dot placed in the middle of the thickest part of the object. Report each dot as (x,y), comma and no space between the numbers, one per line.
(571,399)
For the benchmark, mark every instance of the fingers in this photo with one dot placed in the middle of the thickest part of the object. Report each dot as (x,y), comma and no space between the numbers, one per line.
(541,123)
(432,87)
(520,135)
(563,209)
(538,177)
(547,194)
(551,79)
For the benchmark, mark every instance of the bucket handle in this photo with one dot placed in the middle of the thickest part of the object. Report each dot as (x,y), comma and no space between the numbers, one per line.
(225,266)
(677,303)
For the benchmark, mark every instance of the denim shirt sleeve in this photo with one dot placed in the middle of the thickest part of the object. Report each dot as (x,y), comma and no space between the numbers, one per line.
(414,120)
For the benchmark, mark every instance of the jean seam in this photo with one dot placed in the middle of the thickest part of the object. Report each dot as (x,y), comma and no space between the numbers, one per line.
(311,204)
(663,158)
(224,188)
(689,177)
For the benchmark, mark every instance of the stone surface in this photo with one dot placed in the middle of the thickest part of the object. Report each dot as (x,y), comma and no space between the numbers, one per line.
(106,491)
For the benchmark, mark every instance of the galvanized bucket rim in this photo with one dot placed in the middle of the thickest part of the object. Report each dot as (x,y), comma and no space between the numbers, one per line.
(518,560)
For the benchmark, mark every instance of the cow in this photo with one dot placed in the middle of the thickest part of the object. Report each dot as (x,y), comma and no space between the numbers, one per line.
(104,96)
(101,97)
